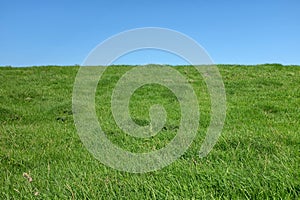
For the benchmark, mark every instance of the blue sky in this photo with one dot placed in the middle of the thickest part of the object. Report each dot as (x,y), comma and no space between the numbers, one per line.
(64,32)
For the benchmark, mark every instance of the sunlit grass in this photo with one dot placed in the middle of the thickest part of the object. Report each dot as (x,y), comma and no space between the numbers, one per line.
(257,156)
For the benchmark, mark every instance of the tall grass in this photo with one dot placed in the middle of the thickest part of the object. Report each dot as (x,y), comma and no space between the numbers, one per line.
(257,156)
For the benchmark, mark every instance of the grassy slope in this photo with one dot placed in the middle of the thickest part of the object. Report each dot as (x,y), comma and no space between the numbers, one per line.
(256,157)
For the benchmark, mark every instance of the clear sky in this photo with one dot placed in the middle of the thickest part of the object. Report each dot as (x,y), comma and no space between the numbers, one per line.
(63,32)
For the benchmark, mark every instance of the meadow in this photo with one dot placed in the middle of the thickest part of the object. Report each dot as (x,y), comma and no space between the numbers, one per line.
(256,157)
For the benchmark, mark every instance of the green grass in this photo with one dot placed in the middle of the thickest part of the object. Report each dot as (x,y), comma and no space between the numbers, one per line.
(256,157)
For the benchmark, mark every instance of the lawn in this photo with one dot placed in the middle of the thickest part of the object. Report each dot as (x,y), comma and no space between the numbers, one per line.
(256,157)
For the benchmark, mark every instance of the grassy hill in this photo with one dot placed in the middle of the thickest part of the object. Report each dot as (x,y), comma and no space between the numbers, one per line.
(256,157)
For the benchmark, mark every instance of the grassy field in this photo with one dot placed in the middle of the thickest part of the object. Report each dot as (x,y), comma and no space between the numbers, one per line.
(256,157)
